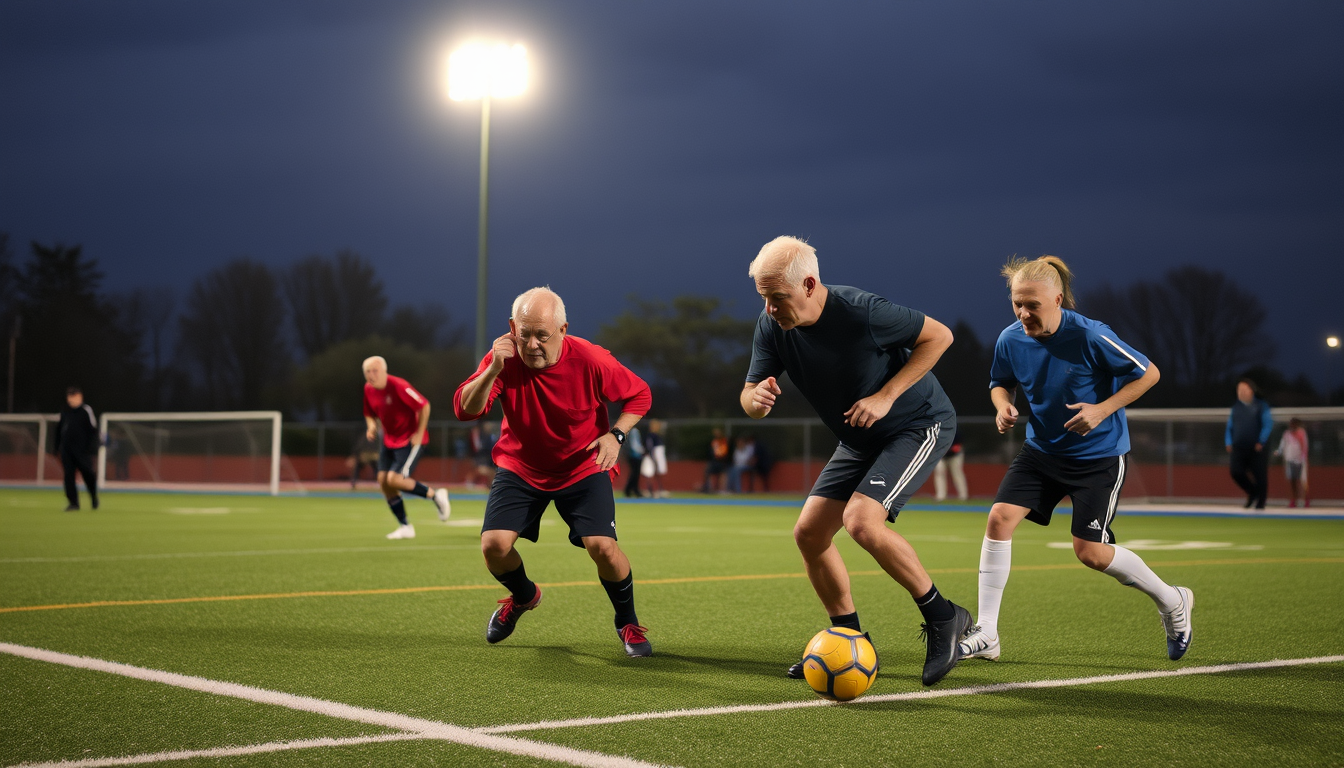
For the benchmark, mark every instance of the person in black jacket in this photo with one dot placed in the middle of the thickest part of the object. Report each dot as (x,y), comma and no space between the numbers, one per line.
(1247,436)
(76,440)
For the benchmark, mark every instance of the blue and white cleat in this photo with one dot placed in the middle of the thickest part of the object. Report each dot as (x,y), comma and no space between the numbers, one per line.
(1177,625)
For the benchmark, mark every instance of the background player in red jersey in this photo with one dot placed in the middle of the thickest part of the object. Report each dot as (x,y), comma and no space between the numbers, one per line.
(554,445)
(404,415)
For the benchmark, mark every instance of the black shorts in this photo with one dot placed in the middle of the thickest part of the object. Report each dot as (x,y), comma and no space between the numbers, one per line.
(588,507)
(890,475)
(400,460)
(1039,481)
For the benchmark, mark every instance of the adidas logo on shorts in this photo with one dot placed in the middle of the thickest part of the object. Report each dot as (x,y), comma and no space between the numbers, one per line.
(1094,525)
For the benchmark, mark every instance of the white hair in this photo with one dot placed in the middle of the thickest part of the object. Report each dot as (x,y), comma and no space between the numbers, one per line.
(788,258)
(375,359)
(526,298)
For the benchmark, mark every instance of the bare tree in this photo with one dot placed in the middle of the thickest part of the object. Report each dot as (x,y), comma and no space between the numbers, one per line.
(231,331)
(334,300)
(1196,324)
(149,313)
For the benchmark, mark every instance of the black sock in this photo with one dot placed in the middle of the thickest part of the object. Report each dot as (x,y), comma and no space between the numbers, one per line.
(521,587)
(398,508)
(622,595)
(934,606)
(420,490)
(849,621)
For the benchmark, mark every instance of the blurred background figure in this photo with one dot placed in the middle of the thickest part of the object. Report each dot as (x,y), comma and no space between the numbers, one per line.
(364,453)
(483,438)
(718,463)
(76,441)
(119,454)
(634,457)
(1293,448)
(953,462)
(765,461)
(744,463)
(1248,428)
(654,466)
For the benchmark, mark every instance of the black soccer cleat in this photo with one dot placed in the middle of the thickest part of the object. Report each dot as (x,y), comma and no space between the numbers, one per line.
(795,672)
(636,644)
(942,638)
(505,617)
(72,508)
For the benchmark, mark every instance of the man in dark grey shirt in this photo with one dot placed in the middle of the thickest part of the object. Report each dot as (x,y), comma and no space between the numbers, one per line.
(863,363)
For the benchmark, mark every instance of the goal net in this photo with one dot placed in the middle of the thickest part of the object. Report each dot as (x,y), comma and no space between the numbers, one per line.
(27,443)
(225,450)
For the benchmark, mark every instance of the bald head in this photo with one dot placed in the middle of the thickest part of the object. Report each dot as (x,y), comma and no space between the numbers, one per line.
(375,372)
(539,323)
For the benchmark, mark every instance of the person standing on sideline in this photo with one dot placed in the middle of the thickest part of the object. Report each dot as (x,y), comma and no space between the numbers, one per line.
(863,363)
(954,462)
(1248,427)
(654,467)
(1078,376)
(1293,448)
(555,445)
(634,457)
(76,441)
(404,415)
(718,463)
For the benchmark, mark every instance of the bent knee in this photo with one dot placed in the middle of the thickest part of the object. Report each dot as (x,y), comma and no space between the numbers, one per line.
(863,531)
(601,548)
(811,539)
(495,547)
(1094,555)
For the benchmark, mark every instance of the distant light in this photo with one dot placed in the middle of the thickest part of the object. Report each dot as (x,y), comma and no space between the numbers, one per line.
(481,69)
(1332,342)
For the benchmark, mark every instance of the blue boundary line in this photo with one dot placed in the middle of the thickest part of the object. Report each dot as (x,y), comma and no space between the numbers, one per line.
(706,501)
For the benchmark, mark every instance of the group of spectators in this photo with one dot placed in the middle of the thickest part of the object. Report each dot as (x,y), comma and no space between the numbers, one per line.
(742,459)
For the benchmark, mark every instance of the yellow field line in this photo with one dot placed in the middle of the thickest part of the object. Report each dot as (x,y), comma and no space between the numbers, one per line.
(679,580)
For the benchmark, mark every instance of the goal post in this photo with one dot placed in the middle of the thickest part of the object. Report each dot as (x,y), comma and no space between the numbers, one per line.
(24,442)
(218,448)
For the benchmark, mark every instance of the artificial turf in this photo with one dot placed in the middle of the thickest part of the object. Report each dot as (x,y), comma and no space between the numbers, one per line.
(720,588)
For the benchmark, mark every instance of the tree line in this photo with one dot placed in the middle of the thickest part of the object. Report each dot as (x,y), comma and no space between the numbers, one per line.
(247,335)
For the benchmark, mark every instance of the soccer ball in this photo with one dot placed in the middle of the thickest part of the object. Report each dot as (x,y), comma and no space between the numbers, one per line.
(840,664)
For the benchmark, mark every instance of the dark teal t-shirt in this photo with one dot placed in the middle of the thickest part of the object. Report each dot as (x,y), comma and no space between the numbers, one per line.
(857,345)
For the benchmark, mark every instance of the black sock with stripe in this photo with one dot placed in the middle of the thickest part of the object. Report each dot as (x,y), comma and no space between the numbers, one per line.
(521,587)
(398,508)
(420,490)
(622,596)
(934,606)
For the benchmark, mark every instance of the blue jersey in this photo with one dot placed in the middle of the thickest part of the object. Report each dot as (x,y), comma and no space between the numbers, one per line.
(1083,361)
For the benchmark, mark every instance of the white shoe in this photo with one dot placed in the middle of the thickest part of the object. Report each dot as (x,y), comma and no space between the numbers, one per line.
(1178,625)
(441,501)
(979,644)
(403,532)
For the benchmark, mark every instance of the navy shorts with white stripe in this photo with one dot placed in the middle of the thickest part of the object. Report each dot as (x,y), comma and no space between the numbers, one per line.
(1038,481)
(892,474)
(400,460)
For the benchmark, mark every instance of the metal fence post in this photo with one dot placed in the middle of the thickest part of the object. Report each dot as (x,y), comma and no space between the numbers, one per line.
(321,447)
(1171,461)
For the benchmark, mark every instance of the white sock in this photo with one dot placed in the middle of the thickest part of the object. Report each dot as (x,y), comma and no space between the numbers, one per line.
(1130,570)
(996,557)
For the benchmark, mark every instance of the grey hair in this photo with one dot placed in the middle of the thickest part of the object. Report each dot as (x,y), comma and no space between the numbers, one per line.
(525,300)
(788,258)
(374,359)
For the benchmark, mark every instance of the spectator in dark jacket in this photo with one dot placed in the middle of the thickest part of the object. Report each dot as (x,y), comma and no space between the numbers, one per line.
(76,440)
(1248,428)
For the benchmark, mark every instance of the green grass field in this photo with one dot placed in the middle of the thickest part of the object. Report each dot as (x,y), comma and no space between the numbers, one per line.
(327,608)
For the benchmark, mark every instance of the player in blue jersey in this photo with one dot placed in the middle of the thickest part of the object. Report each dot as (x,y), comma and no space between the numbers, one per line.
(863,363)
(1078,376)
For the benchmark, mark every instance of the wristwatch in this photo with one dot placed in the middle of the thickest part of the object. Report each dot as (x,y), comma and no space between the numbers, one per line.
(620,436)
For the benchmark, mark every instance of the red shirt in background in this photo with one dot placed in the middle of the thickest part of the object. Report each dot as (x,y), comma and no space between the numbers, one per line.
(551,415)
(397,406)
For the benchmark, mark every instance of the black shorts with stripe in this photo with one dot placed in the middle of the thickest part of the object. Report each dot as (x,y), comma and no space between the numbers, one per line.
(400,460)
(1039,481)
(891,474)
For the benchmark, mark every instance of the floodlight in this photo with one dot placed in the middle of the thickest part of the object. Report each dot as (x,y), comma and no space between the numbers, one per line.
(1332,342)
(479,70)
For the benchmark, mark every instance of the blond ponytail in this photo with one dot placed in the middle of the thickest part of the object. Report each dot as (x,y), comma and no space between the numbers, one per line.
(1046,269)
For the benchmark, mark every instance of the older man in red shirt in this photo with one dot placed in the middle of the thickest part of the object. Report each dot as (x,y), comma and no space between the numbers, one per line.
(555,445)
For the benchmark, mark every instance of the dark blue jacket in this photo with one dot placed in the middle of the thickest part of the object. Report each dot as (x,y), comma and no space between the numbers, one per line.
(1248,424)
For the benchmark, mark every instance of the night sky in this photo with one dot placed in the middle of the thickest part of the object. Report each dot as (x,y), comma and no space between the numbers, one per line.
(917,145)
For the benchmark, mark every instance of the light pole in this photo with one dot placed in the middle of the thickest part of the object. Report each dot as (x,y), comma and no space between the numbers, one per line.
(1332,343)
(485,71)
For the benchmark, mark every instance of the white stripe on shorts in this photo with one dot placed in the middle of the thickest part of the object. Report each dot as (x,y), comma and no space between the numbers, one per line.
(410,459)
(921,456)
(1115,498)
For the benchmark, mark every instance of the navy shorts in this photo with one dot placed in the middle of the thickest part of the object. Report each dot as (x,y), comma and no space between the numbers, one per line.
(1039,481)
(890,475)
(588,507)
(400,460)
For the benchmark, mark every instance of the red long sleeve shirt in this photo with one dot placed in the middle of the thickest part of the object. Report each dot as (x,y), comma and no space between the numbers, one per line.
(551,415)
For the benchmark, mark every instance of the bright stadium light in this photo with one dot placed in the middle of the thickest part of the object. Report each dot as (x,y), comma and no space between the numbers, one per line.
(485,71)
(1332,342)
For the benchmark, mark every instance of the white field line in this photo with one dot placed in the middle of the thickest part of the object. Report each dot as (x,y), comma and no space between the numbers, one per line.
(244,553)
(915,695)
(427,728)
(250,749)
